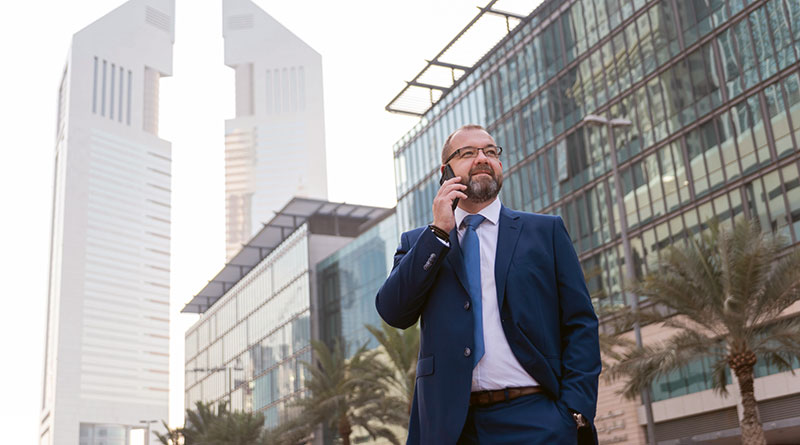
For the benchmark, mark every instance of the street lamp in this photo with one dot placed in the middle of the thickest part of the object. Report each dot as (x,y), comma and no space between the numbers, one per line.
(229,370)
(147,430)
(593,119)
(236,367)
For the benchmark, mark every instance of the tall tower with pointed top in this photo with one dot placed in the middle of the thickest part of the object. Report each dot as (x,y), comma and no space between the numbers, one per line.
(107,339)
(275,146)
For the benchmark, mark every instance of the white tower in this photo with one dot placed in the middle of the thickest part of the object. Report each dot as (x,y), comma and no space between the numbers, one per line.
(107,341)
(275,146)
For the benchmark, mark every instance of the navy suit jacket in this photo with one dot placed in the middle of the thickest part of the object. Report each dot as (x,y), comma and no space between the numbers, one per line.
(545,311)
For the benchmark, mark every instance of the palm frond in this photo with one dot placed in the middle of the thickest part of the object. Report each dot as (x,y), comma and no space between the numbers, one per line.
(783,289)
(642,366)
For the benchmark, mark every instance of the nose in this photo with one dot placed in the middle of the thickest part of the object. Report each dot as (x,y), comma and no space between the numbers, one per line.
(481,157)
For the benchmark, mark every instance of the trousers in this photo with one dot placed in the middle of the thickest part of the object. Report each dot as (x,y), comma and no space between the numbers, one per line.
(528,420)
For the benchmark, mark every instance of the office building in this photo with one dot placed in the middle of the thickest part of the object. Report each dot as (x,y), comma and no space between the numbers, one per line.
(275,146)
(349,279)
(260,312)
(107,338)
(699,104)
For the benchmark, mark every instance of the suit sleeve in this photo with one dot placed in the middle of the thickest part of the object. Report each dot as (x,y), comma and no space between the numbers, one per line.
(401,298)
(580,347)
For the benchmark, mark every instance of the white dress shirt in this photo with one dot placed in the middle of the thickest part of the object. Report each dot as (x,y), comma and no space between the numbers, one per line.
(498,368)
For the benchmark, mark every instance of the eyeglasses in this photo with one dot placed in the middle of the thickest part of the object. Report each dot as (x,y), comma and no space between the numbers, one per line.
(491,151)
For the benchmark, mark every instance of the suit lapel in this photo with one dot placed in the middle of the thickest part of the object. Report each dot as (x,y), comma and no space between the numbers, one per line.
(457,260)
(507,236)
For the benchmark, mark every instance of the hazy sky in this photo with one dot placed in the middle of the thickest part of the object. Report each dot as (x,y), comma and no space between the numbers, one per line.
(369,48)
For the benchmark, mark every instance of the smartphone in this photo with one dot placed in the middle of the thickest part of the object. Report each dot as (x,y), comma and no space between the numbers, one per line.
(448,174)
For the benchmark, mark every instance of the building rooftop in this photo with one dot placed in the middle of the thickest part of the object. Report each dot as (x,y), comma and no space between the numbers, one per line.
(461,55)
(324,217)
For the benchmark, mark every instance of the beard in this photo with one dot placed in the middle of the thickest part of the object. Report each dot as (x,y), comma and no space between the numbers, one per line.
(484,188)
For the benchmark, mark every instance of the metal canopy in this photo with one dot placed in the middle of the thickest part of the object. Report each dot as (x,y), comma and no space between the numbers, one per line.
(283,224)
(459,57)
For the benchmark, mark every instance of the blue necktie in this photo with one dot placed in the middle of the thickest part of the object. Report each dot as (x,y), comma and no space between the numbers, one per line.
(472,261)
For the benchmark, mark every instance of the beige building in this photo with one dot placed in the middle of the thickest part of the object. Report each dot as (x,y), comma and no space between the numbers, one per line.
(686,410)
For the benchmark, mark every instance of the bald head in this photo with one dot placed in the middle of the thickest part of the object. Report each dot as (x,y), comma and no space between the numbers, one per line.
(448,149)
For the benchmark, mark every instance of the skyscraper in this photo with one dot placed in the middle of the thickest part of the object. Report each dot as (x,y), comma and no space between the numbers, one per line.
(275,146)
(107,340)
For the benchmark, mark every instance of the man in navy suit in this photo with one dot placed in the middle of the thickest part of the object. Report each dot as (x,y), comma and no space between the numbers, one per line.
(509,349)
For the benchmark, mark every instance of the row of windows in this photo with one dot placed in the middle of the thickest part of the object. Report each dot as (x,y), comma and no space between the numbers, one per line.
(270,320)
(731,144)
(279,278)
(774,199)
(271,355)
(286,90)
(256,333)
(348,282)
(697,376)
(511,82)
(111,90)
(280,382)
(688,90)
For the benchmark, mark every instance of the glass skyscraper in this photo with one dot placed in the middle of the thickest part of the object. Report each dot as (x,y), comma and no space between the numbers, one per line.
(707,95)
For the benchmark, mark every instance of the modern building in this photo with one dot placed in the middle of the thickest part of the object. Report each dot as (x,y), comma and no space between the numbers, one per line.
(260,312)
(107,338)
(635,120)
(275,146)
(349,279)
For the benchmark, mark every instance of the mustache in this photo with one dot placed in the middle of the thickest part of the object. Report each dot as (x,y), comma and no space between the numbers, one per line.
(482,169)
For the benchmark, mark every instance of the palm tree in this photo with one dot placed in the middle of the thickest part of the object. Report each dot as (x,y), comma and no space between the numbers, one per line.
(402,347)
(612,344)
(197,426)
(343,394)
(723,292)
(236,428)
(171,437)
(613,317)
(200,421)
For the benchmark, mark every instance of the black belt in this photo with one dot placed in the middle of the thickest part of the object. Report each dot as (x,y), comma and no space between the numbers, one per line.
(501,395)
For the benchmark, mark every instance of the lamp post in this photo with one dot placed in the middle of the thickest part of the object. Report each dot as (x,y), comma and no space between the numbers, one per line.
(610,124)
(147,430)
(229,370)
(236,367)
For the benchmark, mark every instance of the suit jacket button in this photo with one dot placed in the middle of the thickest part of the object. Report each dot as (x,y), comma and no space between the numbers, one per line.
(466,305)
(467,352)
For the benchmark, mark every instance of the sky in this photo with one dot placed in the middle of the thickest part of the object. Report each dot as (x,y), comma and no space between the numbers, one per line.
(369,49)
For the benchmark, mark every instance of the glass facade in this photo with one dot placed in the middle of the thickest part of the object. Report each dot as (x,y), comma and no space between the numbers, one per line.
(93,434)
(348,281)
(712,91)
(246,350)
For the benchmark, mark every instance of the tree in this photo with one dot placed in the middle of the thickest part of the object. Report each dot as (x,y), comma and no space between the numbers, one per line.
(205,426)
(171,437)
(341,394)
(236,428)
(724,293)
(614,317)
(402,348)
(200,421)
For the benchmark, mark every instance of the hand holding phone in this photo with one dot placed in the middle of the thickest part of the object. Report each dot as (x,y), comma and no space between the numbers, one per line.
(448,174)
(446,200)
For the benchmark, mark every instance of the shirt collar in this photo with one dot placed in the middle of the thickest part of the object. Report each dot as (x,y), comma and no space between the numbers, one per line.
(490,212)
